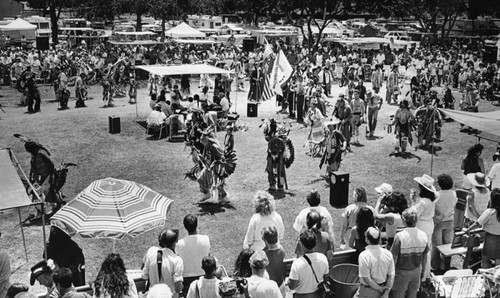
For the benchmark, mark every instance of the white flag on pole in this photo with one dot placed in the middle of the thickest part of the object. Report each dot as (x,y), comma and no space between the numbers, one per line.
(282,71)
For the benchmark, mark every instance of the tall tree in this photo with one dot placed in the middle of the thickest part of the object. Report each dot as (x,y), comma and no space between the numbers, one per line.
(317,14)
(137,7)
(54,7)
(163,9)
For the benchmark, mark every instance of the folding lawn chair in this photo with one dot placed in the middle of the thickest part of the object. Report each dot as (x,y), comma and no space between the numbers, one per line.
(155,125)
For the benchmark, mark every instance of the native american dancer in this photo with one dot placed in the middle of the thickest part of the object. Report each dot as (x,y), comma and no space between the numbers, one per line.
(280,153)
(47,180)
(335,144)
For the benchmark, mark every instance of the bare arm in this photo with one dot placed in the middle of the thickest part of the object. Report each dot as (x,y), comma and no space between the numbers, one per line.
(293,284)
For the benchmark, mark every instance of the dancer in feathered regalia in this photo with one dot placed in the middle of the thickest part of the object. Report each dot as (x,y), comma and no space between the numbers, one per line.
(280,153)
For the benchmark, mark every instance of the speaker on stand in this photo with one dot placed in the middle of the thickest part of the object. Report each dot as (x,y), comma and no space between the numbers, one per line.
(339,189)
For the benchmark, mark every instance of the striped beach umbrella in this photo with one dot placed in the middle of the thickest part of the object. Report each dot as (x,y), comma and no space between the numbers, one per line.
(113,208)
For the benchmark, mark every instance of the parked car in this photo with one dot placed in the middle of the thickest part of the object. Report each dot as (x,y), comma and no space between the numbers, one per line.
(397,35)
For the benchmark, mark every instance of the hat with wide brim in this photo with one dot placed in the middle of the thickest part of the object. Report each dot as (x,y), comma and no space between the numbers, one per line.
(478,179)
(426,181)
(384,188)
(39,269)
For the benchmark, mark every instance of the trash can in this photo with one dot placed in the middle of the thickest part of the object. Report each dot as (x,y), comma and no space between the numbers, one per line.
(345,280)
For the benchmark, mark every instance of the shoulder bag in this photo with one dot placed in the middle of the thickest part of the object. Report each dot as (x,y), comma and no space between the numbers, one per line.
(324,287)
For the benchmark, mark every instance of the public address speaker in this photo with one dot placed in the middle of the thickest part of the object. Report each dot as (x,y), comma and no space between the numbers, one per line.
(339,189)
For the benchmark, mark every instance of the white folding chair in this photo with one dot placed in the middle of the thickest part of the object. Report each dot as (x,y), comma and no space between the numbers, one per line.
(155,124)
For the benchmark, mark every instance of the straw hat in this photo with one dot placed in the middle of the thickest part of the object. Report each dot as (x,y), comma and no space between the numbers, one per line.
(478,179)
(426,181)
(384,188)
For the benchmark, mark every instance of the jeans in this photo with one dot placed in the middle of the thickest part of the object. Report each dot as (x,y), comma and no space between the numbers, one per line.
(443,234)
(372,118)
(406,283)
(300,107)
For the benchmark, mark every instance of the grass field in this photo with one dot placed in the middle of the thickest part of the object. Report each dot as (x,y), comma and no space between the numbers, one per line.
(81,136)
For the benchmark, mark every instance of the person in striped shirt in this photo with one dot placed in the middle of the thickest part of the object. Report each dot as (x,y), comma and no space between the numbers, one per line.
(409,250)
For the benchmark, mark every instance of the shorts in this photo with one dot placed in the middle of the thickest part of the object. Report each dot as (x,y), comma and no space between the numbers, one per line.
(491,247)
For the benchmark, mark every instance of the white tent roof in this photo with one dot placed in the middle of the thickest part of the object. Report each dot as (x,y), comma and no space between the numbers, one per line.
(18,24)
(170,70)
(184,30)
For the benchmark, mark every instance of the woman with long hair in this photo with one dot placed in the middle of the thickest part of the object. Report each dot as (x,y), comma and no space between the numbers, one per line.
(324,244)
(425,208)
(349,216)
(472,163)
(388,211)
(112,280)
(490,221)
(242,265)
(364,220)
(265,216)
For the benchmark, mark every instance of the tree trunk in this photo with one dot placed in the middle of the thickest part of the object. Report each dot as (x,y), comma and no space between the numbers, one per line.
(138,24)
(53,23)
(162,29)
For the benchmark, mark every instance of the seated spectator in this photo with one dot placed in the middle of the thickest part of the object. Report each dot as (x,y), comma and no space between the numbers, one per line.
(4,273)
(15,289)
(225,104)
(308,271)
(165,107)
(191,103)
(112,280)
(324,244)
(152,102)
(171,264)
(192,249)
(157,115)
(364,220)
(388,210)
(160,291)
(42,271)
(314,200)
(275,255)
(207,285)
(63,278)
(265,216)
(258,285)
(175,99)
(350,214)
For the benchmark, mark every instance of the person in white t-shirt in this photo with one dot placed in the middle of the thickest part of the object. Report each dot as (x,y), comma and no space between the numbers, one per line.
(192,249)
(314,199)
(258,285)
(207,286)
(311,269)
(494,173)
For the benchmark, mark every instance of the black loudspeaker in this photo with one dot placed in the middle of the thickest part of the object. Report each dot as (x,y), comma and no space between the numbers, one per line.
(114,125)
(42,43)
(252,109)
(248,44)
(339,189)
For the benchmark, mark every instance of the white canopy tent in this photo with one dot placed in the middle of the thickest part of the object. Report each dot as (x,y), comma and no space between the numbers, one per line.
(19,28)
(183,30)
(194,69)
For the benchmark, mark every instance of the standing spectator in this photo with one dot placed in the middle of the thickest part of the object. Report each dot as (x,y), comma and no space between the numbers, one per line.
(358,113)
(350,213)
(443,220)
(258,285)
(410,257)
(377,79)
(490,221)
(376,268)
(472,163)
(388,210)
(425,208)
(171,265)
(4,274)
(62,279)
(42,271)
(308,271)
(392,84)
(66,253)
(494,173)
(275,255)
(364,220)
(314,200)
(324,244)
(374,104)
(192,249)
(207,286)
(265,216)
(112,280)
(478,198)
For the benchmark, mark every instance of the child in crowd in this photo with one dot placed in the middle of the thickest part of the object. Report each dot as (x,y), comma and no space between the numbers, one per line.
(276,255)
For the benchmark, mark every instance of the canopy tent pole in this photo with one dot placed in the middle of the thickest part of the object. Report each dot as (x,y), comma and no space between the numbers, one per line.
(236,94)
(22,232)
(38,198)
